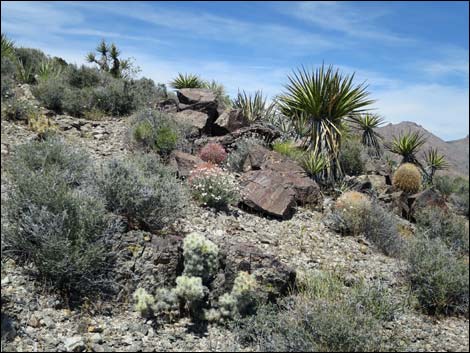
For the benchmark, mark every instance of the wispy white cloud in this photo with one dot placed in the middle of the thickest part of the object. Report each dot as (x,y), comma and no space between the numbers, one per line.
(341,17)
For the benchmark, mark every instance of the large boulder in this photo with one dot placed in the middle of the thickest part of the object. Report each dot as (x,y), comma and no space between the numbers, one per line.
(231,120)
(273,184)
(199,99)
(183,162)
(265,191)
(193,119)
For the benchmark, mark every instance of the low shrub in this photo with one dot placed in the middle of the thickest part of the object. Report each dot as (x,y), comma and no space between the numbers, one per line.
(143,190)
(83,76)
(51,94)
(155,130)
(438,278)
(438,223)
(350,157)
(17,109)
(51,221)
(115,97)
(213,153)
(212,186)
(352,207)
(287,148)
(323,317)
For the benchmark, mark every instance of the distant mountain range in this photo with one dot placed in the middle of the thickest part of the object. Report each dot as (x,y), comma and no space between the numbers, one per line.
(456,152)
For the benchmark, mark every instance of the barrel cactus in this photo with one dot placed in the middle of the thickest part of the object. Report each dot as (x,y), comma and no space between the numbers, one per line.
(407,178)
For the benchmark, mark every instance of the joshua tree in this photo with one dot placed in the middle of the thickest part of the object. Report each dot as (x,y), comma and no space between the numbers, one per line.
(370,138)
(323,99)
(109,61)
(434,162)
(407,145)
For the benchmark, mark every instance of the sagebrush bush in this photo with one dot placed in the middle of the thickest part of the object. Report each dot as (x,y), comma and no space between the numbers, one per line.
(212,186)
(353,206)
(51,93)
(439,223)
(213,152)
(143,190)
(115,98)
(50,220)
(155,130)
(17,109)
(83,76)
(323,317)
(200,256)
(438,277)
(351,158)
(407,178)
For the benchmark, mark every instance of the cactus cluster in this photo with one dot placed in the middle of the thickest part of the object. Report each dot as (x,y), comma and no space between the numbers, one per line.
(144,302)
(407,178)
(200,256)
(189,289)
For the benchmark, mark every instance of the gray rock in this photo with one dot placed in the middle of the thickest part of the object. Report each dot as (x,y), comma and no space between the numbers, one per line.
(231,120)
(195,95)
(192,118)
(184,162)
(74,344)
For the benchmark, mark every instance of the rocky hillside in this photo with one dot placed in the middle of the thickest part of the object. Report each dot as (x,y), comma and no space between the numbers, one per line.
(456,152)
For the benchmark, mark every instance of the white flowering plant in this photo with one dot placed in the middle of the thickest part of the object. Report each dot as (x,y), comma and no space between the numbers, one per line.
(214,187)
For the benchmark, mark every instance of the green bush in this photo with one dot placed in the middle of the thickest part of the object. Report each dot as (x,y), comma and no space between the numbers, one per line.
(155,130)
(17,109)
(444,184)
(143,190)
(115,98)
(350,157)
(438,223)
(83,77)
(323,317)
(146,94)
(51,221)
(77,102)
(31,58)
(438,278)
(51,94)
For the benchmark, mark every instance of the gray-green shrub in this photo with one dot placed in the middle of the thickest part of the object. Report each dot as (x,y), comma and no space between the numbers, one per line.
(50,220)
(143,190)
(51,93)
(438,277)
(350,157)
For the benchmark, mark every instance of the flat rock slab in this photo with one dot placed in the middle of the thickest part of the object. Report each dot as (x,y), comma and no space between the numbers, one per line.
(266,191)
(195,95)
(184,162)
(199,120)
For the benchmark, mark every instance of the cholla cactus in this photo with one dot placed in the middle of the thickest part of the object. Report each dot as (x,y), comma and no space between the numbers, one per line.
(213,152)
(166,301)
(227,306)
(212,315)
(244,292)
(144,302)
(189,289)
(407,178)
(200,256)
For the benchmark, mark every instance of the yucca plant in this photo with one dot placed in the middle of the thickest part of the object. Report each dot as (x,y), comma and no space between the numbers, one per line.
(314,163)
(407,145)
(434,162)
(24,72)
(8,47)
(366,123)
(324,98)
(254,107)
(49,69)
(187,81)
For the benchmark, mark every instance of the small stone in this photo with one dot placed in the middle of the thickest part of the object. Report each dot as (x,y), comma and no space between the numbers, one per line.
(74,344)
(96,338)
(33,321)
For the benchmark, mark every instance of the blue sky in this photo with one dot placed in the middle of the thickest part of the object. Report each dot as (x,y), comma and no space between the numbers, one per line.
(414,55)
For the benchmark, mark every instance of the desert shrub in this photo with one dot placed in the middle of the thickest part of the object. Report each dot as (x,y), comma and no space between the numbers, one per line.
(237,157)
(438,223)
(322,317)
(31,58)
(460,196)
(407,178)
(155,130)
(143,190)
(213,153)
(287,148)
(381,228)
(212,186)
(51,93)
(200,256)
(83,76)
(351,208)
(350,157)
(146,93)
(17,109)
(438,278)
(115,98)
(444,184)
(49,221)
(77,102)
